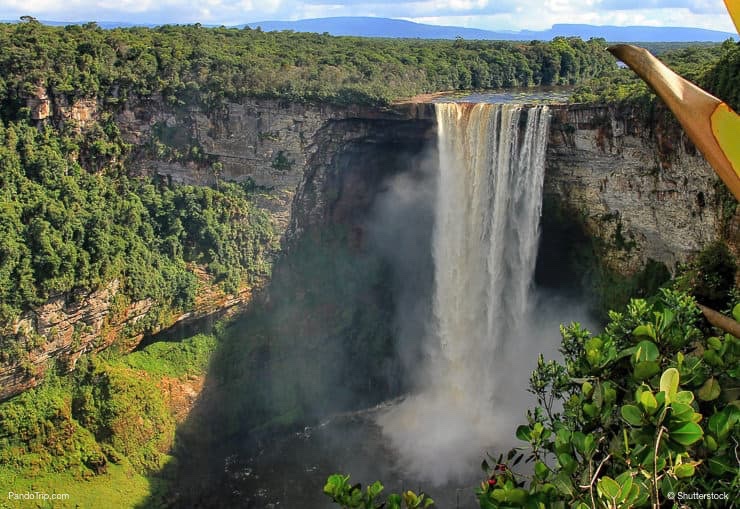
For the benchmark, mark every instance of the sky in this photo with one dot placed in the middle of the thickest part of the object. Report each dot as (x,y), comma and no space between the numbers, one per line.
(486,14)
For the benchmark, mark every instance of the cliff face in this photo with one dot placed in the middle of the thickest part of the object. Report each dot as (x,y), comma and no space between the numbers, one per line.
(639,188)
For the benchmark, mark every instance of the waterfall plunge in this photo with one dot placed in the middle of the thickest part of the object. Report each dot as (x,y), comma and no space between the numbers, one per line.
(487,214)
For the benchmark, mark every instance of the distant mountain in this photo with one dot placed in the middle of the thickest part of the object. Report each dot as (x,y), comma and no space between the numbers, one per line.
(394,28)
(398,28)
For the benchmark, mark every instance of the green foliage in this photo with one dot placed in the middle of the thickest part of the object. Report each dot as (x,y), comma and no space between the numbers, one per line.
(648,407)
(105,413)
(709,65)
(710,277)
(721,80)
(350,496)
(194,64)
(172,359)
(66,228)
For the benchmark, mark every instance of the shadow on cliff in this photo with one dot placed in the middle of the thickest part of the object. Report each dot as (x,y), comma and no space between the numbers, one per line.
(323,336)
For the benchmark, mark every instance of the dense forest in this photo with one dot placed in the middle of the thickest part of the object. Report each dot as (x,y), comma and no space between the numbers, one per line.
(189,64)
(715,68)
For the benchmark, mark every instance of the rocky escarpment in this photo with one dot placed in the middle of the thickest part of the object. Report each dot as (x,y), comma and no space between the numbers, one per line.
(637,185)
(281,148)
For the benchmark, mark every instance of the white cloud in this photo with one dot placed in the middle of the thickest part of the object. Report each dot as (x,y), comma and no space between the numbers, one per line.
(487,14)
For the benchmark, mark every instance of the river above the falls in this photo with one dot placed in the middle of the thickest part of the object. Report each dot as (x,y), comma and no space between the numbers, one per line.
(530,95)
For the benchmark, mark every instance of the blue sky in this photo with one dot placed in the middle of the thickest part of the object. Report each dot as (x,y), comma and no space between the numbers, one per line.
(487,14)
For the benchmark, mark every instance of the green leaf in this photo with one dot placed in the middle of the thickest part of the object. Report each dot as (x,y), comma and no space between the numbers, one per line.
(590,410)
(563,483)
(648,402)
(646,369)
(719,424)
(608,487)
(523,433)
(587,388)
(685,397)
(710,443)
(736,312)
(589,444)
(374,489)
(714,343)
(646,351)
(712,358)
(681,412)
(718,466)
(710,390)
(684,470)
(644,331)
(541,470)
(567,463)
(669,383)
(632,415)
(687,433)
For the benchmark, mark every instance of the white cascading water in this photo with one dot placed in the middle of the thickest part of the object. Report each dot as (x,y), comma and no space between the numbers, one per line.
(489,199)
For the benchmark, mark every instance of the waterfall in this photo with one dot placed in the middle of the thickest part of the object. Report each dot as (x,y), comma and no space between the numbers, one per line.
(488,204)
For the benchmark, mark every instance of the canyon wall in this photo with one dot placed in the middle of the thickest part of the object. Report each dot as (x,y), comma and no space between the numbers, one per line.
(636,184)
(638,187)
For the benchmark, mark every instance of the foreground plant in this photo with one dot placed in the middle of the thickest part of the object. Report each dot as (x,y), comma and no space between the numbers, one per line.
(351,496)
(649,409)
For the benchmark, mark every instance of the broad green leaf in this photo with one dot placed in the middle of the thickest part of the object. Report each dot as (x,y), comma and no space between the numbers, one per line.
(719,424)
(648,402)
(590,410)
(718,466)
(589,444)
(375,489)
(587,388)
(710,443)
(669,383)
(567,463)
(684,470)
(523,433)
(563,483)
(646,369)
(685,397)
(608,487)
(541,470)
(736,312)
(517,496)
(710,390)
(646,351)
(714,343)
(632,415)
(712,358)
(644,331)
(687,433)
(681,412)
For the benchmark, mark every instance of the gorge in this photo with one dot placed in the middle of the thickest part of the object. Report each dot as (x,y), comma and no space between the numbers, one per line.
(321,172)
(604,179)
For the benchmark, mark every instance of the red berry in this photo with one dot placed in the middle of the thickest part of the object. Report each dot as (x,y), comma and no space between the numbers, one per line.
(492,482)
